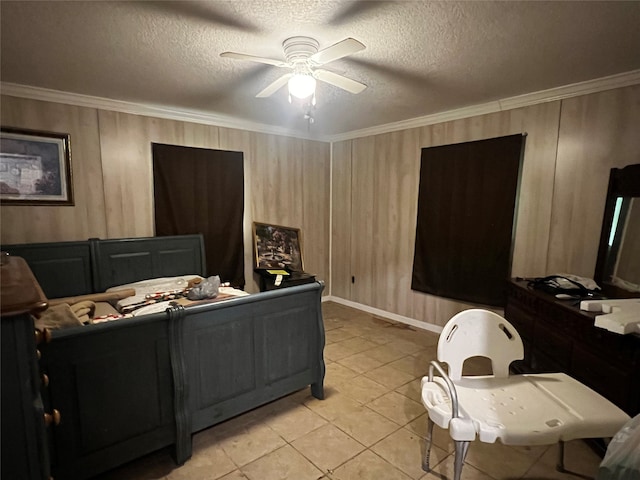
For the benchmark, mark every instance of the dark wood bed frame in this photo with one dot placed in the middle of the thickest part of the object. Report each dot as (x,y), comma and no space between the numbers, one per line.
(129,387)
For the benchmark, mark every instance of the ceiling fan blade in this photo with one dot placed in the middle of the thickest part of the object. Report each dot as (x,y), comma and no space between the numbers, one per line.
(339,50)
(252,58)
(275,86)
(339,81)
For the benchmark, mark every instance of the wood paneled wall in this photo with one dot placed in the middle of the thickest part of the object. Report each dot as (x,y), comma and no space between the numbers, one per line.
(27,224)
(570,147)
(286,179)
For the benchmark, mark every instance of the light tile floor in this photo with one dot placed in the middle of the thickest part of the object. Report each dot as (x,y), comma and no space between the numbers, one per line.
(371,425)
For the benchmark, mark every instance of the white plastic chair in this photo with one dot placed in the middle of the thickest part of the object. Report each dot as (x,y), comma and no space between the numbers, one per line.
(539,409)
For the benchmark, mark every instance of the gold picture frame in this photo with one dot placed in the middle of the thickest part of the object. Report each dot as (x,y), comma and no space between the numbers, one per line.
(277,247)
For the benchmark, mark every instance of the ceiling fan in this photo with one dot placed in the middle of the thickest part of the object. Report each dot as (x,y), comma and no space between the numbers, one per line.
(303,58)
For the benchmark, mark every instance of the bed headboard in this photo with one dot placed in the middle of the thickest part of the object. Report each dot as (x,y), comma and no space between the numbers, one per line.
(128,260)
(66,269)
(63,269)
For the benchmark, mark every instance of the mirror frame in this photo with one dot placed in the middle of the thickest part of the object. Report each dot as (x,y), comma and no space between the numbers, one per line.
(623,182)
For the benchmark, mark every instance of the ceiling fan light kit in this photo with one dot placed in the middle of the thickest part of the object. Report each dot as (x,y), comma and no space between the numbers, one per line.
(302,56)
(302,85)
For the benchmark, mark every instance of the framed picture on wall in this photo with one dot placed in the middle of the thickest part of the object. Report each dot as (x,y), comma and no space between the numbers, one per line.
(35,167)
(277,247)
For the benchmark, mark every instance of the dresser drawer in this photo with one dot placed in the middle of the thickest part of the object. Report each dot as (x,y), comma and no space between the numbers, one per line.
(560,320)
(554,343)
(520,318)
(605,378)
(525,300)
(541,362)
(623,349)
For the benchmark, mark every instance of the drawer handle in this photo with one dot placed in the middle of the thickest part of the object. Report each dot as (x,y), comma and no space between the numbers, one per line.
(52,418)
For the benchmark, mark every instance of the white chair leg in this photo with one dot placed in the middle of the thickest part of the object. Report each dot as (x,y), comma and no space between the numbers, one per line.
(427,450)
(460,454)
(560,465)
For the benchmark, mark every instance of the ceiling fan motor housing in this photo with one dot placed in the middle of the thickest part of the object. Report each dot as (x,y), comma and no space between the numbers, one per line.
(299,49)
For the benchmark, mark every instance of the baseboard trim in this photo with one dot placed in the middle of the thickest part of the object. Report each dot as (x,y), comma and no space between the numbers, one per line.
(384,314)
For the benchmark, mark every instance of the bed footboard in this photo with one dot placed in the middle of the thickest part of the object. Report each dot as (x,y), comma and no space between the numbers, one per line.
(245,353)
(112,384)
(130,387)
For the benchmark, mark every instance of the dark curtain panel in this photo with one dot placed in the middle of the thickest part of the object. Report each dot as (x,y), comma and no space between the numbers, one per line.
(198,190)
(466,207)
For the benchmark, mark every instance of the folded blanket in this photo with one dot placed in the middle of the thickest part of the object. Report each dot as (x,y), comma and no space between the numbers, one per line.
(94,297)
(84,311)
(58,316)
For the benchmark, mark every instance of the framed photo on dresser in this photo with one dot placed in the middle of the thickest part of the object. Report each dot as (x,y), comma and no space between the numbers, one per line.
(277,247)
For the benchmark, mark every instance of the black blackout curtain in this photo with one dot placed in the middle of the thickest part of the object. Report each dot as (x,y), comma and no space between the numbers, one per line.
(199,190)
(466,208)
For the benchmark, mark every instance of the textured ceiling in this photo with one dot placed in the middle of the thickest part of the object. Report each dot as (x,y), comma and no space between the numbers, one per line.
(420,58)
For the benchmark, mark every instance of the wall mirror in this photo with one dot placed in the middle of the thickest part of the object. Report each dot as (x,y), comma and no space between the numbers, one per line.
(618,264)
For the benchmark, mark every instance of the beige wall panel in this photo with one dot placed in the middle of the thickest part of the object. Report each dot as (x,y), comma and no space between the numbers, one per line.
(341,220)
(289,185)
(277,180)
(316,178)
(362,214)
(395,208)
(258,187)
(597,132)
(190,134)
(31,224)
(128,182)
(128,165)
(261,185)
(531,244)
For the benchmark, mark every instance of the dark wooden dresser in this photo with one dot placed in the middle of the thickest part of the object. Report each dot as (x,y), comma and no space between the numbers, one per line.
(24,419)
(559,337)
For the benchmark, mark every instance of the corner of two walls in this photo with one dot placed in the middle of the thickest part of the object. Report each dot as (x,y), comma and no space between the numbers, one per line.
(286,179)
(370,182)
(571,146)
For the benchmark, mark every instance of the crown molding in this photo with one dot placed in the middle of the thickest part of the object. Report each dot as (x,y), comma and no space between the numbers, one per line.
(567,91)
(158,111)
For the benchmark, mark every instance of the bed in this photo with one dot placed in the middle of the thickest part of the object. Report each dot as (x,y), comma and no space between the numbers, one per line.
(128,387)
